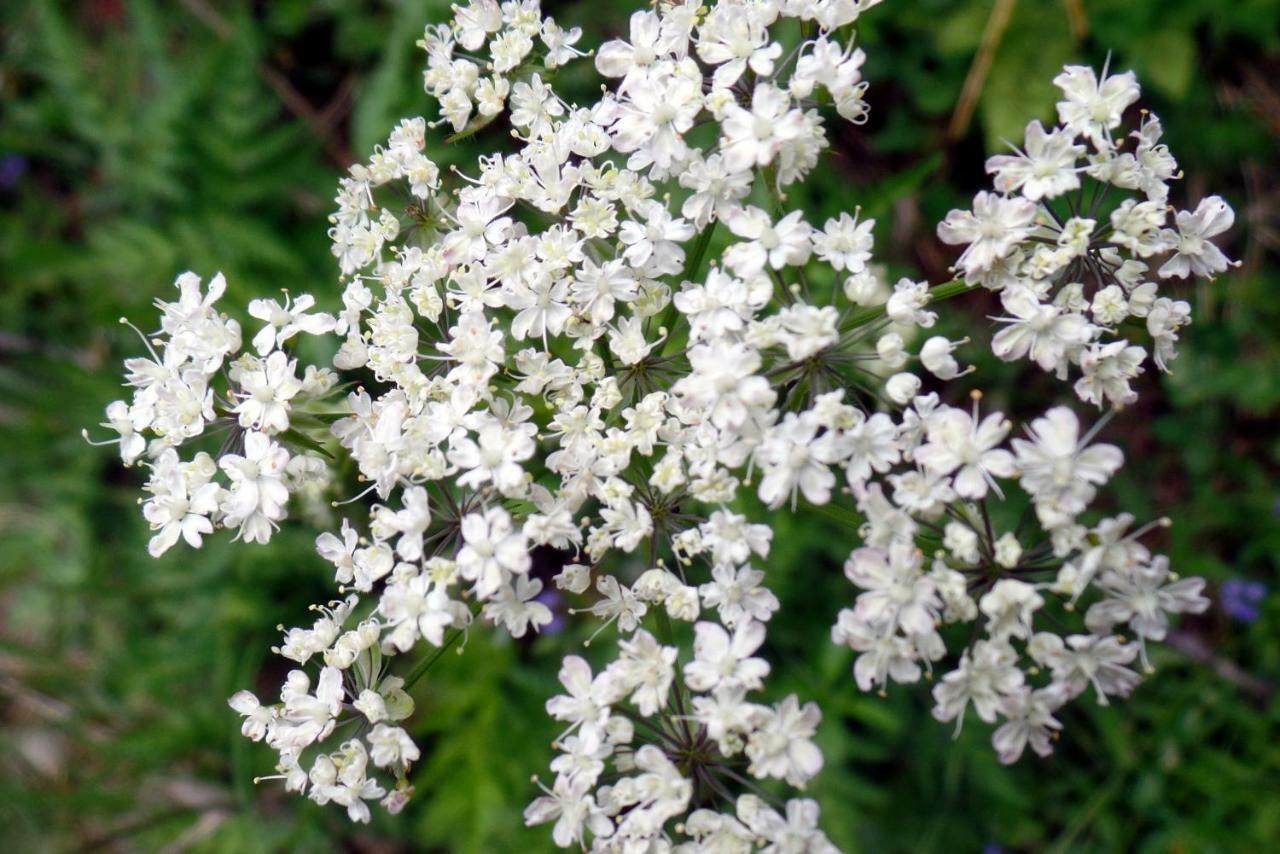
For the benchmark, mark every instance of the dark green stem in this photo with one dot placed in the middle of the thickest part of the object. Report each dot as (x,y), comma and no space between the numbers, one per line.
(423,666)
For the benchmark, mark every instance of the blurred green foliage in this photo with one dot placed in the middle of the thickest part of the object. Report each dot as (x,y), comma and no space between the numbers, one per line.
(141,138)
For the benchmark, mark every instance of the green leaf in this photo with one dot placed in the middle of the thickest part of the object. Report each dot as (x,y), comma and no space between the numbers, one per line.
(1166,60)
(1020,86)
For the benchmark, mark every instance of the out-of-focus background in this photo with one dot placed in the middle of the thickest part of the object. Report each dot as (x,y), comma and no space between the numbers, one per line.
(141,138)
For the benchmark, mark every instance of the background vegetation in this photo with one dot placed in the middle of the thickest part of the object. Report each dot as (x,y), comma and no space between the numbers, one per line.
(140,138)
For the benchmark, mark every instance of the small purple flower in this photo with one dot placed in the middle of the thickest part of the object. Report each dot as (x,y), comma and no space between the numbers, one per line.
(12,168)
(553,600)
(1242,599)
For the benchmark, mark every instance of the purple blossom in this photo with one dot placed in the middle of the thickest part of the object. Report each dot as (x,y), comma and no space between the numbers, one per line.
(1242,599)
(12,168)
(555,601)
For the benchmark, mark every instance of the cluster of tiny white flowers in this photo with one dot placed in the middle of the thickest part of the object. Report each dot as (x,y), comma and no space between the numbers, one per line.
(546,354)
(193,388)
(1010,580)
(1073,277)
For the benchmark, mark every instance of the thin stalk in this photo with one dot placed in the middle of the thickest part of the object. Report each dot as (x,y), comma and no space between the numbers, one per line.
(423,666)
(692,269)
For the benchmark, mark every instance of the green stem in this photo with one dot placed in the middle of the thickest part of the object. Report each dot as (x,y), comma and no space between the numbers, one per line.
(602,347)
(692,269)
(666,636)
(425,665)
(665,633)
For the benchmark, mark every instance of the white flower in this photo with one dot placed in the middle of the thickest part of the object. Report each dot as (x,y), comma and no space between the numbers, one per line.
(494,457)
(570,804)
(1085,660)
(198,334)
(716,832)
(476,21)
(129,422)
(654,243)
(644,670)
(517,606)
(541,305)
(285,321)
(845,243)
(716,189)
(936,357)
(1042,330)
(797,832)
(773,245)
(723,382)
(720,305)
(790,466)
(902,387)
(184,500)
(619,603)
(1030,721)
(652,121)
(1092,107)
(737,594)
(257,717)
(1057,468)
(492,551)
(341,778)
(1164,319)
(782,747)
(991,230)
(1106,371)
(598,288)
(534,106)
(256,499)
(1144,595)
(390,745)
(987,673)
(958,442)
(724,661)
(1137,226)
(870,444)
(586,701)
(751,138)
(657,794)
(727,717)
(1044,169)
(480,225)
(266,392)
(1009,606)
(906,304)
(306,717)
(627,341)
(897,592)
(415,608)
(1193,254)
(884,655)
(734,38)
(632,61)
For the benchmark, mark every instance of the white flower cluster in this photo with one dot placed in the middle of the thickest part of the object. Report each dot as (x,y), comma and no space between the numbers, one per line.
(193,388)
(1010,580)
(1071,264)
(547,354)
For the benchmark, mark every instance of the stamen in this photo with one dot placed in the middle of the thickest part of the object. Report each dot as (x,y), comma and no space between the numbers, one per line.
(370,488)
(146,341)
